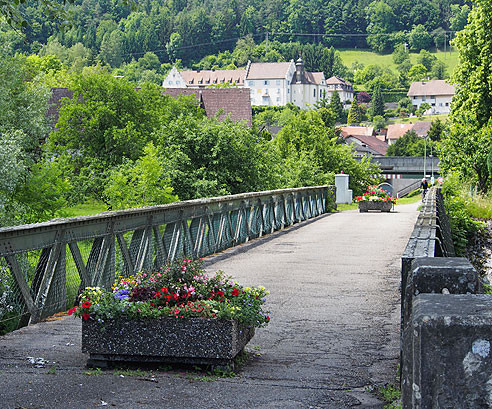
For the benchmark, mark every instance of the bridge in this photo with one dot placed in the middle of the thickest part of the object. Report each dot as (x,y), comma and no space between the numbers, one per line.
(404,173)
(334,300)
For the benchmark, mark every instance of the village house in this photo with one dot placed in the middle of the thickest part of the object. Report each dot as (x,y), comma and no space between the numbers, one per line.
(396,131)
(232,103)
(270,84)
(437,93)
(364,140)
(344,89)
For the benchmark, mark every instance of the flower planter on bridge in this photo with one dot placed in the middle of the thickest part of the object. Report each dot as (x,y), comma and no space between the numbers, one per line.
(375,199)
(380,206)
(178,314)
(196,341)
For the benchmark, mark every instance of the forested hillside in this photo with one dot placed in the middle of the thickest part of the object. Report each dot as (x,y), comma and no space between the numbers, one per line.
(188,30)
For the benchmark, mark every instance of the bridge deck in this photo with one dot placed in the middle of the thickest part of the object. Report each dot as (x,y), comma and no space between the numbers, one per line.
(335,317)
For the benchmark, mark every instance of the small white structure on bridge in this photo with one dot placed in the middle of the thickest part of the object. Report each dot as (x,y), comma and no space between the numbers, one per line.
(344,194)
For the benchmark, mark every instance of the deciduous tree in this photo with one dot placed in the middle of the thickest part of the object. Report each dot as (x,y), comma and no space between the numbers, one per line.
(468,142)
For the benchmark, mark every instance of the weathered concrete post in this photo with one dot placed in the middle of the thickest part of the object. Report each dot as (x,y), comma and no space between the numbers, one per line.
(421,334)
(344,194)
(450,342)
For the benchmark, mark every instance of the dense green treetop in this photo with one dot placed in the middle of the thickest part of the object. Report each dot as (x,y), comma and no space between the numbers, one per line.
(188,30)
(467,144)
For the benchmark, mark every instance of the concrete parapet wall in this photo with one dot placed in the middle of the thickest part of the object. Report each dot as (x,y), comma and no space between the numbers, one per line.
(446,323)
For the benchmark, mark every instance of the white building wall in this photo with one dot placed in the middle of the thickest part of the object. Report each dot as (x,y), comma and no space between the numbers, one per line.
(271,92)
(440,104)
(174,80)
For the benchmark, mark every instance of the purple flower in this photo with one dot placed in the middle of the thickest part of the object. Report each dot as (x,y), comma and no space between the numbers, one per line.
(122,294)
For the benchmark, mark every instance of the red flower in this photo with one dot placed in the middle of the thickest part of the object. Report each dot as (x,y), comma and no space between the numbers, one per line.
(86,304)
(72,310)
(267,318)
(235,291)
(164,290)
(168,297)
(85,316)
(220,293)
(175,296)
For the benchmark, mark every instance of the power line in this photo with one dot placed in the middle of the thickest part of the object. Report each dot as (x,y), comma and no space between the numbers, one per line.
(269,35)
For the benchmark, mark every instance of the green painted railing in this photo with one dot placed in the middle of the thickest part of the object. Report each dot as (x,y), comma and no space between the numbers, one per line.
(43,266)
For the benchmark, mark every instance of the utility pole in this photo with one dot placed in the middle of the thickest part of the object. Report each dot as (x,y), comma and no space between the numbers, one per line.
(444,45)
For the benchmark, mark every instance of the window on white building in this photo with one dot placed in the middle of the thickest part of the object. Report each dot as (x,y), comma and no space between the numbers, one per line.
(288,91)
(178,82)
(278,90)
(266,82)
(170,82)
(251,83)
(314,93)
(277,82)
(278,99)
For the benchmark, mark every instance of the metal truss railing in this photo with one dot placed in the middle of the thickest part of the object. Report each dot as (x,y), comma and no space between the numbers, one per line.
(44,266)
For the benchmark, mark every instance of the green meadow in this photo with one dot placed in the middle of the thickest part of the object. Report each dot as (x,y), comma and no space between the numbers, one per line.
(366,57)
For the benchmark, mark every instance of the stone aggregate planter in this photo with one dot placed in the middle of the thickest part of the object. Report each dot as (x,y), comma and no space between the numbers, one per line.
(166,340)
(365,206)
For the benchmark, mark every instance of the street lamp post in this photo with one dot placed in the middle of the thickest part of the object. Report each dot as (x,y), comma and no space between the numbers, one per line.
(425,155)
(432,167)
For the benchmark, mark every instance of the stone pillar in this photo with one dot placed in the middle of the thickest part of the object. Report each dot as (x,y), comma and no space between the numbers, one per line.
(450,345)
(344,194)
(438,275)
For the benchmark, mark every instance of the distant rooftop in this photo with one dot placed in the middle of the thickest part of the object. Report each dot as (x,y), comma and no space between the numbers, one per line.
(210,77)
(357,130)
(235,102)
(268,70)
(430,88)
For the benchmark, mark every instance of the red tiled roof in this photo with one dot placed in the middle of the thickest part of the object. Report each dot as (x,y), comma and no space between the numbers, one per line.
(357,130)
(235,102)
(337,80)
(268,70)
(421,128)
(396,131)
(430,88)
(210,77)
(372,143)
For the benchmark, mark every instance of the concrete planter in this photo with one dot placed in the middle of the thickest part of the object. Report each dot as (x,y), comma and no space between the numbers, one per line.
(365,206)
(167,340)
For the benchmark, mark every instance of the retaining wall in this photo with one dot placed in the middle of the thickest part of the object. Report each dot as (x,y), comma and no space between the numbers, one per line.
(446,323)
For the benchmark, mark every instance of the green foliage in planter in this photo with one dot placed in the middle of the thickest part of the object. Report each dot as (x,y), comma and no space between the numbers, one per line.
(181,289)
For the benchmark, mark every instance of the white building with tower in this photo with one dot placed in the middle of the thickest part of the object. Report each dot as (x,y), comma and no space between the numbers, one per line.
(270,84)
